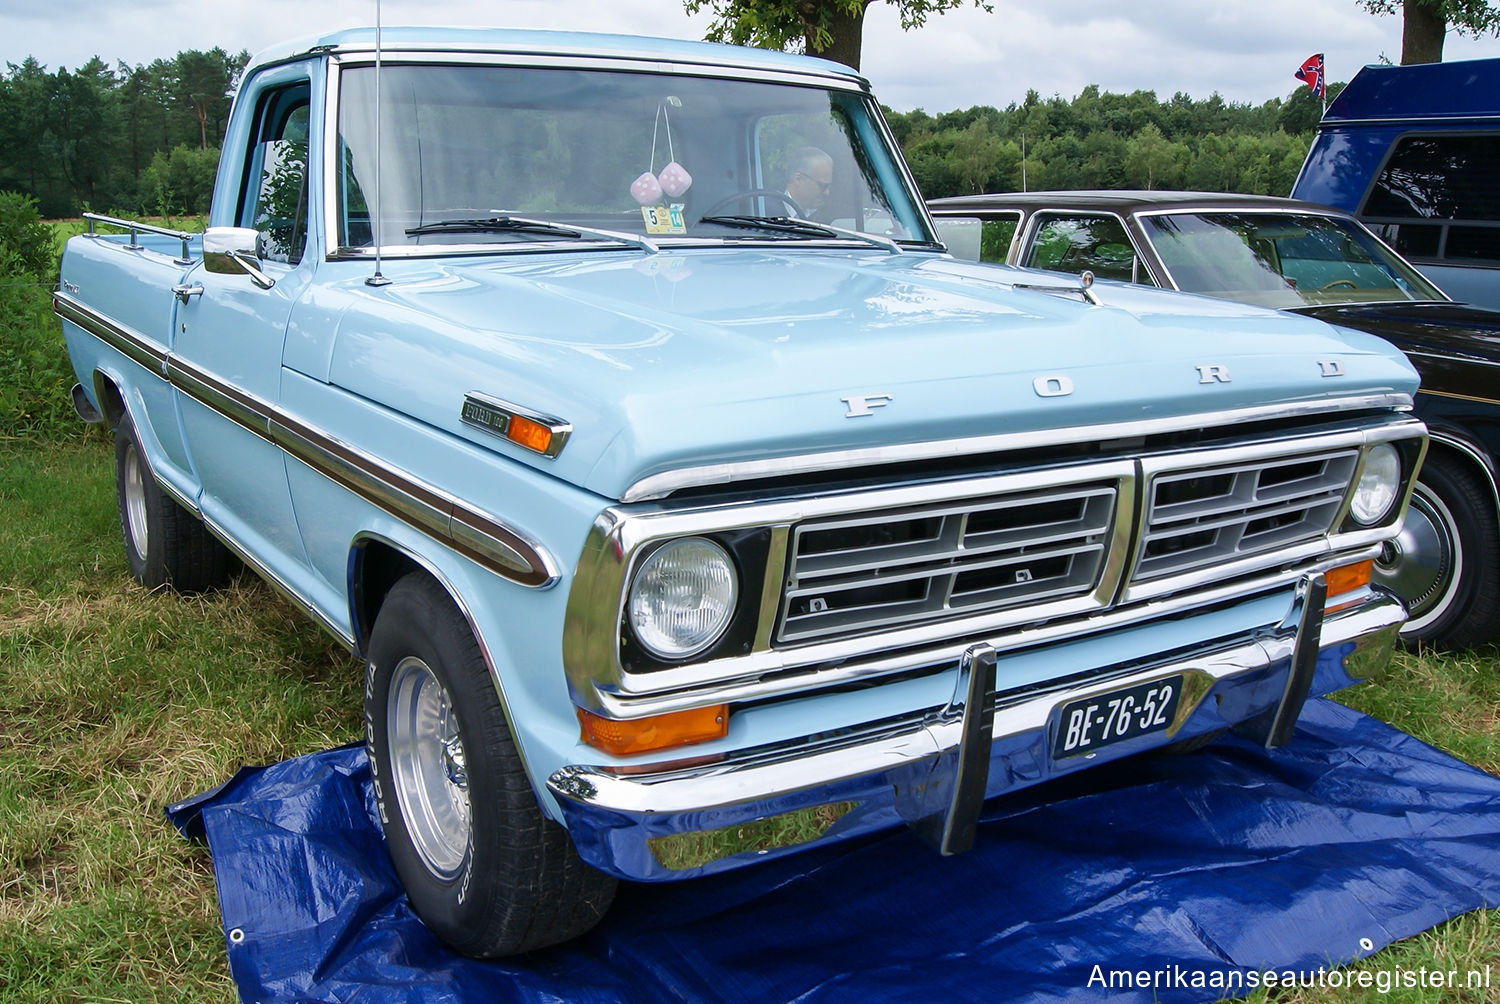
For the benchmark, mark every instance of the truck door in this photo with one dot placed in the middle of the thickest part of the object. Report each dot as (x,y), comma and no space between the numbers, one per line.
(228,341)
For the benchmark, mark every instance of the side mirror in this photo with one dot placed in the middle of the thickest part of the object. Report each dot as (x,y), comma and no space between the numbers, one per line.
(235,251)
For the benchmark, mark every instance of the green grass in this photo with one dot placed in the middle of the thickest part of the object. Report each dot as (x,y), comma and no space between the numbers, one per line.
(115,702)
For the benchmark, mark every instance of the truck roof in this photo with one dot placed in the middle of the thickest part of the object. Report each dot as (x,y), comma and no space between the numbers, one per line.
(1464,89)
(408,39)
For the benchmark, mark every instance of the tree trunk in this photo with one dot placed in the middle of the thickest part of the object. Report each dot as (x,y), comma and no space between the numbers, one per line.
(848,32)
(1422,30)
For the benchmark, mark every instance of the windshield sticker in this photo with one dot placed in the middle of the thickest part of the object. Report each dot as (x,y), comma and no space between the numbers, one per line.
(664,219)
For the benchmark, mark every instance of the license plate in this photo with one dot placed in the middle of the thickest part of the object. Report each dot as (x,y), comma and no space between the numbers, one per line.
(1090,723)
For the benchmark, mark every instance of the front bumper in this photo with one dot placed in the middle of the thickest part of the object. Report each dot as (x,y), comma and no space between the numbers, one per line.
(932,772)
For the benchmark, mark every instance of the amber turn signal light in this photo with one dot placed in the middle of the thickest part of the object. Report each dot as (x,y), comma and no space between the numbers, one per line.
(1347,578)
(659,732)
(524,432)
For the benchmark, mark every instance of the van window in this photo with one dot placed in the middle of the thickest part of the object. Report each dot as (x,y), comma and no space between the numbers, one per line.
(1438,198)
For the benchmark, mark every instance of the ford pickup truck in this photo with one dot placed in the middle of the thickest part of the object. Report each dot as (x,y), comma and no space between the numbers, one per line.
(687,503)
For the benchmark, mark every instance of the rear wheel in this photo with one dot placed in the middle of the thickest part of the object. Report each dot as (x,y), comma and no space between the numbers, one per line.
(483,867)
(164,543)
(1446,561)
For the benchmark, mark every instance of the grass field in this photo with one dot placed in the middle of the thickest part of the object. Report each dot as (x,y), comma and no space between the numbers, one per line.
(115,702)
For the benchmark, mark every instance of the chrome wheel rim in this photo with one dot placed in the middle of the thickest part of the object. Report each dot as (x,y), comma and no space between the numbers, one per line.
(428,768)
(1423,564)
(135,503)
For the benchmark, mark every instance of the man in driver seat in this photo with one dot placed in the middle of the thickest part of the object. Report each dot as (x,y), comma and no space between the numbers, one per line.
(809,176)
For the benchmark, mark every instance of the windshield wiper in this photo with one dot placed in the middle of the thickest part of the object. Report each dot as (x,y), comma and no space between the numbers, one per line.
(800,227)
(525,225)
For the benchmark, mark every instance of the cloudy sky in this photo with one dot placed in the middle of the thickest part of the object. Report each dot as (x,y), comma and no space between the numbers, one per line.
(1245,50)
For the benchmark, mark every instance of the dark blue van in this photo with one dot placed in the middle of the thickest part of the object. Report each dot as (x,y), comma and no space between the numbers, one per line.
(1414,152)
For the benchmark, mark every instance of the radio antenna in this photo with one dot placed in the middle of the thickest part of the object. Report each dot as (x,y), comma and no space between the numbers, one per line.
(377,279)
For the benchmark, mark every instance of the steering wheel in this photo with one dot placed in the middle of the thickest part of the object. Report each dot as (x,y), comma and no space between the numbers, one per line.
(1339,284)
(753,193)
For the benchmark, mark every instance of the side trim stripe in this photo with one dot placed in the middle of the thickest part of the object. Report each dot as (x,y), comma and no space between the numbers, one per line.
(470,531)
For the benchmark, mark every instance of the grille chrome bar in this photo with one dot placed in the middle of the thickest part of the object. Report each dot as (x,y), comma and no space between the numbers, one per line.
(896,567)
(855,573)
(1203,517)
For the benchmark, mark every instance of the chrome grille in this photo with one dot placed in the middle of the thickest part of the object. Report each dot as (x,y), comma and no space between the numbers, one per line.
(1022,552)
(1208,517)
(880,569)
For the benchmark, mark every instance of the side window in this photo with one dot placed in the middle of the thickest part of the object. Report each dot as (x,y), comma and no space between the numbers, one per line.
(1098,244)
(1438,197)
(275,200)
(974,239)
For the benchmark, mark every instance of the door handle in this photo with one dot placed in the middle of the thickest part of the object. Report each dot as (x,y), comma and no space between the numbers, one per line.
(184,291)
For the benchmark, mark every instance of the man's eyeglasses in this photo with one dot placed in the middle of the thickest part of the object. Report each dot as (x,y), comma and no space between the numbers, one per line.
(823,185)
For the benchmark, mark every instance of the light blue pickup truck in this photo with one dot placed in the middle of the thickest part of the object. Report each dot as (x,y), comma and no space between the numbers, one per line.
(614,400)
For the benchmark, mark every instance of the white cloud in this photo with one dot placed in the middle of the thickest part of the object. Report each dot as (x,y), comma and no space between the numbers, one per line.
(1245,52)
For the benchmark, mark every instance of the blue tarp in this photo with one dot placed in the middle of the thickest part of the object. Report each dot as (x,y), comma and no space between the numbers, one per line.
(1172,878)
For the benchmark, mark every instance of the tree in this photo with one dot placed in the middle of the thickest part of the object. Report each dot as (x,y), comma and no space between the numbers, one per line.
(204,81)
(832,29)
(1424,23)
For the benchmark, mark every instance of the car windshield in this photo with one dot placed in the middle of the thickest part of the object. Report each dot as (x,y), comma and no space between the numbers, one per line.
(482,154)
(1281,259)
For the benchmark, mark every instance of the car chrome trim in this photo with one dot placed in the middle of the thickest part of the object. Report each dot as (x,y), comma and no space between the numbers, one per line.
(917,754)
(1308,611)
(661,485)
(478,409)
(1480,458)
(571,58)
(858,660)
(129,342)
(774,666)
(477,534)
(952,828)
(134,227)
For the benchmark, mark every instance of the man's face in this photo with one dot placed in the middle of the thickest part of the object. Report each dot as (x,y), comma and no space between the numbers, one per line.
(810,188)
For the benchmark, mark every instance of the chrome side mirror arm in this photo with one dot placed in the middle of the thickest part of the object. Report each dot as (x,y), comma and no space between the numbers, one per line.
(235,251)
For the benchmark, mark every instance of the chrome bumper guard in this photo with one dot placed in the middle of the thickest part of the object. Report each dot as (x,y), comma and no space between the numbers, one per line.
(701,815)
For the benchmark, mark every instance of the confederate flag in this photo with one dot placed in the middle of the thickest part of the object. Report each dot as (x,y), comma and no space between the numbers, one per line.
(1311,74)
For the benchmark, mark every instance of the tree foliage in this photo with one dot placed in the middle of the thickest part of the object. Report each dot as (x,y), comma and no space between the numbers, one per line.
(89,137)
(832,29)
(1425,23)
(1102,140)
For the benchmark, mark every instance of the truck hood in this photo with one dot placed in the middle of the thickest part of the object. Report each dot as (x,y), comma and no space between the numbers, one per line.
(711,357)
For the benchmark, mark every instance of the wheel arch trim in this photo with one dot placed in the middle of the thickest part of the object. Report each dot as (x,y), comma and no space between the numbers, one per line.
(362,615)
(1449,440)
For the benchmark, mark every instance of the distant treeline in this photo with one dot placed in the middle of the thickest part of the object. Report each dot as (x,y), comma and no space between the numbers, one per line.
(146,139)
(137,139)
(1101,140)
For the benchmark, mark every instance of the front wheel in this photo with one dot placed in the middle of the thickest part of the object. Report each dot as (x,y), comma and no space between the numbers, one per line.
(486,871)
(1445,563)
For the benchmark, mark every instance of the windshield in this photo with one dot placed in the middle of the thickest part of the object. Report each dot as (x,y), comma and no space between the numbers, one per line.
(1281,259)
(643,154)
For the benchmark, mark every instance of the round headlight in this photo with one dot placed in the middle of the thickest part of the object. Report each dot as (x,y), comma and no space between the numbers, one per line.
(1376,491)
(682,598)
